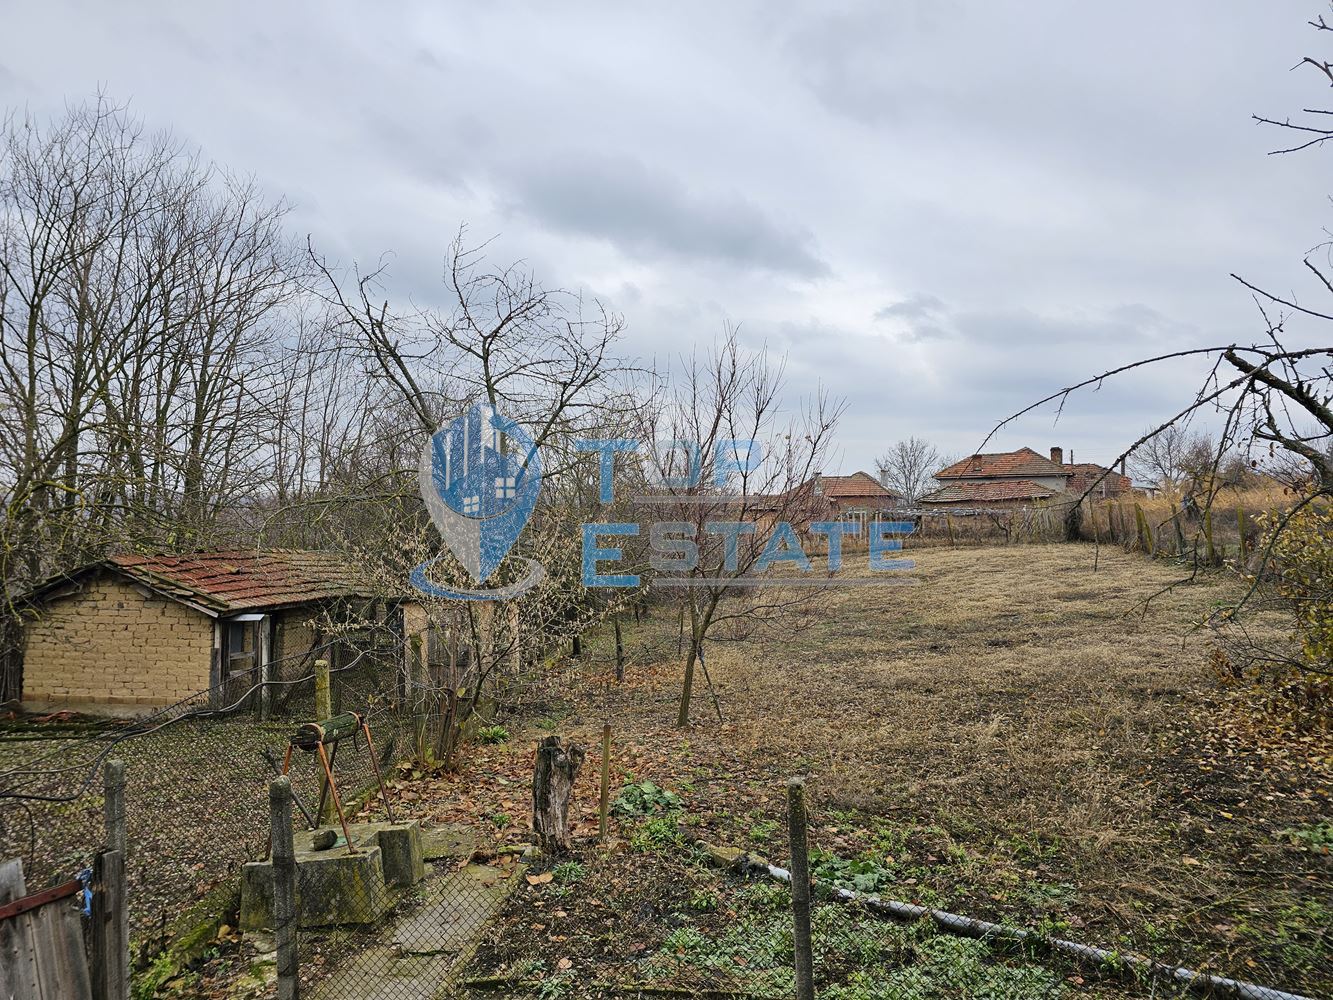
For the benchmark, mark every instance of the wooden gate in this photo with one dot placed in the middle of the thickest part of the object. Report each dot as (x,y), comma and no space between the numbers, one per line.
(42,954)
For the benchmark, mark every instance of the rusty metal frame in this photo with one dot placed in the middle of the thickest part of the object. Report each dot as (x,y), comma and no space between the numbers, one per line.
(39,899)
(330,786)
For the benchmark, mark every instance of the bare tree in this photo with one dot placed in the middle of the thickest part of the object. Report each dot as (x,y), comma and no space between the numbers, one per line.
(720,517)
(909,466)
(1176,457)
(543,358)
(138,288)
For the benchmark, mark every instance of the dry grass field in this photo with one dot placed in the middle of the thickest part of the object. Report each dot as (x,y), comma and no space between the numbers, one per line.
(1022,735)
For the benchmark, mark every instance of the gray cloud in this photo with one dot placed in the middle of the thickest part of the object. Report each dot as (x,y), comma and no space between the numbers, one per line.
(941,211)
(916,307)
(649,212)
(9,83)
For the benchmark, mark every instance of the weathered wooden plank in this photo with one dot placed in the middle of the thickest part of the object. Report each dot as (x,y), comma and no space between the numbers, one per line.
(18,964)
(57,939)
(109,943)
(74,953)
(36,900)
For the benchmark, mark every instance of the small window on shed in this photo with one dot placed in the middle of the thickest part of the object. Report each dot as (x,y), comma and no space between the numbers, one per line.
(241,644)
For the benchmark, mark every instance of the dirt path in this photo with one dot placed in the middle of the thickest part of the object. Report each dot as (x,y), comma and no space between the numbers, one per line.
(420,954)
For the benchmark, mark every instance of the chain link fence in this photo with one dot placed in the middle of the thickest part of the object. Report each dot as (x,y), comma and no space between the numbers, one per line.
(195,797)
(411,914)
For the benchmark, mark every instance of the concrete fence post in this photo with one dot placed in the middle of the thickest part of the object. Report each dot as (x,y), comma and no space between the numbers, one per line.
(284,887)
(113,804)
(800,889)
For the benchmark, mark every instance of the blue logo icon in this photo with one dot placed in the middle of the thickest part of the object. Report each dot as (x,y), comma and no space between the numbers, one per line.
(480,476)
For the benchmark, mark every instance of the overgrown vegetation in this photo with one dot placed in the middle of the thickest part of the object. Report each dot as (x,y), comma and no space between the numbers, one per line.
(1015,739)
(704,932)
(1293,577)
(643,798)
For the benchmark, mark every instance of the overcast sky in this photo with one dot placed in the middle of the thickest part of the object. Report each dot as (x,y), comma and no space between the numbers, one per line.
(939,210)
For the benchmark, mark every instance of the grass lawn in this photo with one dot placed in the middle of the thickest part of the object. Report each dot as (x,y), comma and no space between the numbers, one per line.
(1015,738)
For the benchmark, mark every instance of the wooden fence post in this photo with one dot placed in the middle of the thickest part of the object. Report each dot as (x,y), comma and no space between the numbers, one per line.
(800,889)
(1145,533)
(606,782)
(109,929)
(323,710)
(284,886)
(620,650)
(110,918)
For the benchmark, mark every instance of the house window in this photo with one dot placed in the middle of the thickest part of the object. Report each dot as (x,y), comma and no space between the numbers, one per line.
(239,636)
(506,487)
(472,505)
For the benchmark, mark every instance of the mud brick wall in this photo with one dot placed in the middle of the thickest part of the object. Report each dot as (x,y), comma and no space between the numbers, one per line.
(110,645)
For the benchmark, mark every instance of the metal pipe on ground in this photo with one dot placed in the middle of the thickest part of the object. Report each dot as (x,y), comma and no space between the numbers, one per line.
(953,923)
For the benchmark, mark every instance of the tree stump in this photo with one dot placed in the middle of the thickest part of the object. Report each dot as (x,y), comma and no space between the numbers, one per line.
(552,786)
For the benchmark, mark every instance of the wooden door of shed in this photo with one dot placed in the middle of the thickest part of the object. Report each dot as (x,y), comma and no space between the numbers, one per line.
(42,954)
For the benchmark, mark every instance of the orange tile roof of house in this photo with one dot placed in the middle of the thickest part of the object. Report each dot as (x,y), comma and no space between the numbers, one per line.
(858,484)
(965,492)
(1022,464)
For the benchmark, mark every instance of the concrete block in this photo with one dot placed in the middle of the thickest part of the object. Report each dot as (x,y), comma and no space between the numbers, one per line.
(448,840)
(332,887)
(404,859)
(335,887)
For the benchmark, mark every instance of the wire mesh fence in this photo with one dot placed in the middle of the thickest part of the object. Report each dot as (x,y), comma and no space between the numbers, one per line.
(653,914)
(195,798)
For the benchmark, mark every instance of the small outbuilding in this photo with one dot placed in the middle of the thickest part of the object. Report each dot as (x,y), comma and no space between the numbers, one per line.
(133,634)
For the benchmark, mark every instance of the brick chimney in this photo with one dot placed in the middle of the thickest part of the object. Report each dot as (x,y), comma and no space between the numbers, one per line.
(1058,456)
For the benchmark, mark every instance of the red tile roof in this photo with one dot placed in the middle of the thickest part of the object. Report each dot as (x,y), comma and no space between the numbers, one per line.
(965,492)
(1020,464)
(244,580)
(858,484)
